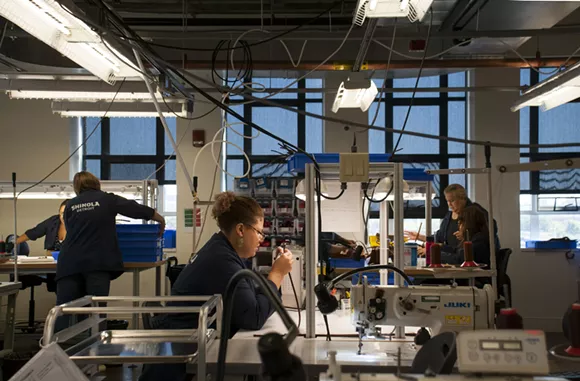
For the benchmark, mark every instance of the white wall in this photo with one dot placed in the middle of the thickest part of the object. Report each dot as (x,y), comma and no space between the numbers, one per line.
(204,171)
(34,142)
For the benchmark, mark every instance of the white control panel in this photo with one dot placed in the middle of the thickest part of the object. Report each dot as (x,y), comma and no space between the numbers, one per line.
(502,352)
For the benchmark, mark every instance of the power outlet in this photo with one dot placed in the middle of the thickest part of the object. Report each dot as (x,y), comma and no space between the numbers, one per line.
(354,167)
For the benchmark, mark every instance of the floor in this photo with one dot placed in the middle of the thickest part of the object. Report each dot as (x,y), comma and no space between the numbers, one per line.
(29,342)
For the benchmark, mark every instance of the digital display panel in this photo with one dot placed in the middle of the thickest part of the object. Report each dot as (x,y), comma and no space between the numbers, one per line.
(512,346)
(496,345)
(490,345)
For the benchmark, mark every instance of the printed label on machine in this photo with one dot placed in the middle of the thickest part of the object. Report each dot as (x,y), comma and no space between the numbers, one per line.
(458,319)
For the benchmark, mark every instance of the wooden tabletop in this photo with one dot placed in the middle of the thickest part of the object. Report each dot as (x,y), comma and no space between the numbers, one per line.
(9,266)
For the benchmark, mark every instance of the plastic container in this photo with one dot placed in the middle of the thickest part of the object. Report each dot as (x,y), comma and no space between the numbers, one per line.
(410,254)
(55,255)
(297,162)
(347,263)
(170,239)
(137,229)
(552,244)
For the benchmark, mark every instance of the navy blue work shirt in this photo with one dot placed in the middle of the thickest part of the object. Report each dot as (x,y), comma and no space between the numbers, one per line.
(91,238)
(47,229)
(208,274)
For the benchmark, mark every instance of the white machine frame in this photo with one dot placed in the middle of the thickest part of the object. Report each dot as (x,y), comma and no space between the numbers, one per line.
(332,172)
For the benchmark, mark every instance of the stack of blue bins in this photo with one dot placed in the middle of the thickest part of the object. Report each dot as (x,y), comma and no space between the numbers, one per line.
(373,277)
(140,242)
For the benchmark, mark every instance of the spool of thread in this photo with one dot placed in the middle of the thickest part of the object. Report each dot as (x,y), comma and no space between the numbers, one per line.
(430,241)
(574,331)
(2,245)
(468,255)
(435,256)
(509,318)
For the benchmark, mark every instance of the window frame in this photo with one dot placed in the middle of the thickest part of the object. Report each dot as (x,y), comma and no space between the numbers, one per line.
(299,103)
(443,158)
(106,159)
(533,154)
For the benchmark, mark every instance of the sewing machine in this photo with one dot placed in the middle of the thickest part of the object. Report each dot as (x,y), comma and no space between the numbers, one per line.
(441,308)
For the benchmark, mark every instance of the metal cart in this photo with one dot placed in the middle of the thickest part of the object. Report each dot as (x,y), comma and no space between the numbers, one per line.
(150,346)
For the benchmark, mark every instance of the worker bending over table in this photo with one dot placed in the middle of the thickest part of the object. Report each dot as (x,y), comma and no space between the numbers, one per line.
(52,229)
(449,233)
(241,222)
(90,257)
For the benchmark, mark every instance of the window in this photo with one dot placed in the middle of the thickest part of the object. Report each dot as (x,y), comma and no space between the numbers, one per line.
(549,200)
(133,149)
(435,113)
(263,151)
(129,149)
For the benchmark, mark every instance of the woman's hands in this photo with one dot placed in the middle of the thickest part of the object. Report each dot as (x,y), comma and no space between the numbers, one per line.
(281,266)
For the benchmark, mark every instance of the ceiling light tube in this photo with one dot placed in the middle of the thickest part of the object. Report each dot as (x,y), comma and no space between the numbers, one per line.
(414,10)
(559,89)
(179,108)
(50,23)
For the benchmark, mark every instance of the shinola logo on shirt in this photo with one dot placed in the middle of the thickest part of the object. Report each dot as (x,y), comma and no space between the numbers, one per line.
(86,206)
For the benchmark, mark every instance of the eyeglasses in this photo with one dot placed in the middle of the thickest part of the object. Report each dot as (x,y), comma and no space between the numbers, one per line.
(260,233)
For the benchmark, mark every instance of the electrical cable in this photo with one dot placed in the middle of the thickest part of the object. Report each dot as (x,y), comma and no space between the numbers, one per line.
(80,146)
(412,101)
(381,93)
(5,28)
(298,306)
(277,36)
(328,336)
(186,118)
(228,304)
(473,142)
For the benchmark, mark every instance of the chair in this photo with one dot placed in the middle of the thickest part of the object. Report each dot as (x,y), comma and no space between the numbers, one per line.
(31,281)
(504,283)
(147,317)
(437,356)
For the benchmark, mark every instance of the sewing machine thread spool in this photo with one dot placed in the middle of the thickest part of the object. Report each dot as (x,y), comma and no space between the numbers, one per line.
(509,318)
(435,256)
(574,335)
(428,244)
(2,245)
(468,255)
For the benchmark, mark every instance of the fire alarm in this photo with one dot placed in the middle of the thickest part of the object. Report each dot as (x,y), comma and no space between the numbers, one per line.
(198,138)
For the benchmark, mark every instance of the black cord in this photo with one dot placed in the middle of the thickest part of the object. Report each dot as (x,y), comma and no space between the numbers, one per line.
(80,146)
(416,85)
(249,45)
(328,336)
(370,199)
(332,198)
(228,303)
(183,117)
(298,306)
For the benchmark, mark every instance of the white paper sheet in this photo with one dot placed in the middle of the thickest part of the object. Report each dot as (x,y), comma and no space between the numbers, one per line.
(50,364)
(345,214)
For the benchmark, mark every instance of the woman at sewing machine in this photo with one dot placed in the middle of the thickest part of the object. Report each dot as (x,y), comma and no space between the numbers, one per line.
(52,229)
(472,224)
(448,233)
(241,222)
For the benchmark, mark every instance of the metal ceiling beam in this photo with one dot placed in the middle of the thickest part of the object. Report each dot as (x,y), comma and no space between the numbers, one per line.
(365,44)
(463,11)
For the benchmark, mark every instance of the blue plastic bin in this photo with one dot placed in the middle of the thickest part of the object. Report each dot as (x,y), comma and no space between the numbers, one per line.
(553,245)
(55,255)
(346,263)
(297,162)
(137,229)
(169,239)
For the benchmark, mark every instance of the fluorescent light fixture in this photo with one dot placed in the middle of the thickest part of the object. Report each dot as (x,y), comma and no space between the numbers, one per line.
(50,23)
(557,90)
(355,94)
(132,190)
(414,10)
(75,90)
(174,108)
(301,191)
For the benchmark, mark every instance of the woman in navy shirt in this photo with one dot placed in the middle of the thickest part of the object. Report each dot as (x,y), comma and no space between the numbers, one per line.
(90,257)
(241,222)
(52,229)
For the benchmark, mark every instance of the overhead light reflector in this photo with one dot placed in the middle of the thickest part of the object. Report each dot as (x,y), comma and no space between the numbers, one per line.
(179,108)
(355,94)
(50,23)
(557,90)
(414,10)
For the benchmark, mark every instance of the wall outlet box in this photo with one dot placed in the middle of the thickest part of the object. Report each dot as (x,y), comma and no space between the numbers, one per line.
(354,167)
